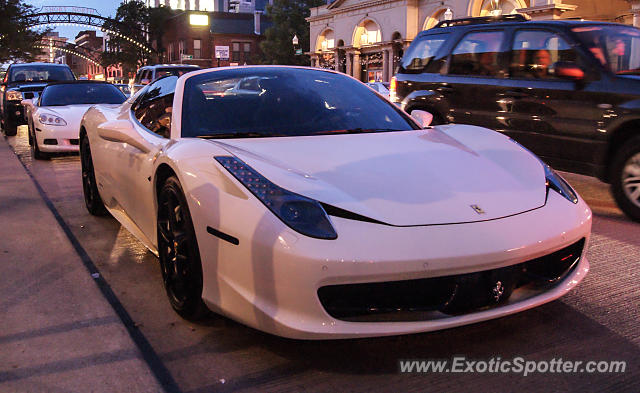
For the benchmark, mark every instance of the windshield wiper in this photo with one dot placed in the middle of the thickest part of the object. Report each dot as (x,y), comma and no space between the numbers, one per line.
(358,130)
(230,135)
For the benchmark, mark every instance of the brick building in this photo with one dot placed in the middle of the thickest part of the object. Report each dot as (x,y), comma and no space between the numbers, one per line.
(192,38)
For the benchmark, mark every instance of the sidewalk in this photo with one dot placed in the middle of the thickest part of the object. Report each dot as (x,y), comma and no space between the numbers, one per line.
(58,333)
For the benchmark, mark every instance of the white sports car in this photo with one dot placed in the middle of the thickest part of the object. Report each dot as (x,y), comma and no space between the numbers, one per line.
(54,117)
(318,209)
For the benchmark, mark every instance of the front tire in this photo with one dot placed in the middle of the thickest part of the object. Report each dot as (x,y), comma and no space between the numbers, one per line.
(178,251)
(92,199)
(625,176)
(35,150)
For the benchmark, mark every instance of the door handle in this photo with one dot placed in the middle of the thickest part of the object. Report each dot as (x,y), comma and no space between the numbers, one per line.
(444,89)
(516,94)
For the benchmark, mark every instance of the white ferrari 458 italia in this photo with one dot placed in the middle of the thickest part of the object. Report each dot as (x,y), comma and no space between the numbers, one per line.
(306,205)
(54,117)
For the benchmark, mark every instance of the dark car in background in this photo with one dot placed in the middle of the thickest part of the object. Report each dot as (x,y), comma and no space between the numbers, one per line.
(148,74)
(567,90)
(26,81)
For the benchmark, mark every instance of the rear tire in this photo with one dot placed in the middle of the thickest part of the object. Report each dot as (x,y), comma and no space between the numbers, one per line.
(178,251)
(625,178)
(92,199)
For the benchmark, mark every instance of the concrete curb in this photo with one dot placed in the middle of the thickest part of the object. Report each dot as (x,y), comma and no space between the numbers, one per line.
(60,331)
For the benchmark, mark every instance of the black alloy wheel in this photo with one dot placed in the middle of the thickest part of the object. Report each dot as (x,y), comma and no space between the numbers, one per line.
(178,251)
(35,150)
(92,199)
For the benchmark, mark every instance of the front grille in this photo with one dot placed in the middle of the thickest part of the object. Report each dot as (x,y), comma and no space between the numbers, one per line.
(50,141)
(422,299)
(74,141)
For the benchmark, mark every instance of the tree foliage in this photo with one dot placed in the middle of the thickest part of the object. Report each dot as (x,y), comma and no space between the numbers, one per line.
(130,22)
(158,17)
(16,42)
(288,17)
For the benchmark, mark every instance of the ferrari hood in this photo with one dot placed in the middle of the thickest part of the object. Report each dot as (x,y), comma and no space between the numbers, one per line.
(444,175)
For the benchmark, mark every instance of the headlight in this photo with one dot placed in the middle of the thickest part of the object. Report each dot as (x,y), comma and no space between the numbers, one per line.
(13,95)
(52,120)
(557,183)
(302,214)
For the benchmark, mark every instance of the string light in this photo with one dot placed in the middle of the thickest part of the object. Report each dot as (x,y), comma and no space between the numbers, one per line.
(102,29)
(70,52)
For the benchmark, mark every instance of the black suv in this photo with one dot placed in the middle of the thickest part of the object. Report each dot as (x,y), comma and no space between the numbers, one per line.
(567,90)
(24,81)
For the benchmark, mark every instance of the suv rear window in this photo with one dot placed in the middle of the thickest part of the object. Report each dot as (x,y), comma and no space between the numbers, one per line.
(422,53)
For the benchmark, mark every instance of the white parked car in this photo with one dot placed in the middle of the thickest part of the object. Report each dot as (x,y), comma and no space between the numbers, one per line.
(54,118)
(317,209)
(380,87)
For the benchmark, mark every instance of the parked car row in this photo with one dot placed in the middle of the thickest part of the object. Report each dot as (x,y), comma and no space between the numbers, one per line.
(305,204)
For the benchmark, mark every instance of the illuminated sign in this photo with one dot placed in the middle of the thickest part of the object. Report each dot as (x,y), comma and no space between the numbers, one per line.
(199,20)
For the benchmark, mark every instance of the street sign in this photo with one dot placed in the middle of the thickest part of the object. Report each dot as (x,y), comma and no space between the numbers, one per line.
(222,52)
(187,57)
(298,51)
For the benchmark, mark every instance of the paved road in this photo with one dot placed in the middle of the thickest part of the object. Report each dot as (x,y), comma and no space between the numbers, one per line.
(600,320)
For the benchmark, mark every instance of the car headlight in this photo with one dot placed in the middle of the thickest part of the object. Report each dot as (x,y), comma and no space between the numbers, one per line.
(52,120)
(302,214)
(13,95)
(558,184)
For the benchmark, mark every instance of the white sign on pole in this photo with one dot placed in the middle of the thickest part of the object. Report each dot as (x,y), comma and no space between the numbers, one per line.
(222,52)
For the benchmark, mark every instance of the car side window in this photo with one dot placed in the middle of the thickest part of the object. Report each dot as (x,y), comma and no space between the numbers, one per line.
(421,56)
(154,107)
(478,54)
(534,53)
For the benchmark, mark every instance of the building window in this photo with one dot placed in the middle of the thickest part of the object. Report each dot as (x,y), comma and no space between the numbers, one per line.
(235,52)
(247,51)
(196,49)
(170,50)
(180,49)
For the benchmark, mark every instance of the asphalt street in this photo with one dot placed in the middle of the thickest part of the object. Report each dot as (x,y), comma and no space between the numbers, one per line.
(599,320)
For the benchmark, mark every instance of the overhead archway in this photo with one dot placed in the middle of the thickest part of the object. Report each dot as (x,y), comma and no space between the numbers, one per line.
(81,16)
(366,33)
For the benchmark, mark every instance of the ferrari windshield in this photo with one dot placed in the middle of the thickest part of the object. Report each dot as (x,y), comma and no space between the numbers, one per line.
(272,101)
(616,47)
(38,73)
(81,94)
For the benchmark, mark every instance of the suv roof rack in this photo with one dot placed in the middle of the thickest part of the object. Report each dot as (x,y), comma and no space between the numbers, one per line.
(482,20)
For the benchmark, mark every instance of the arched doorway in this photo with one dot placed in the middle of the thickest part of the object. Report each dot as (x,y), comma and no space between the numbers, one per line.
(325,48)
(434,19)
(496,7)
(368,65)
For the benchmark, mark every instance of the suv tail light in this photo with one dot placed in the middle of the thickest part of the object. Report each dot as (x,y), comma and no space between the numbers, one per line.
(392,89)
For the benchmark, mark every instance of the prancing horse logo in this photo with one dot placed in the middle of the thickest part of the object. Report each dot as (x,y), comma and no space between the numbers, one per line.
(477,209)
(497,291)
